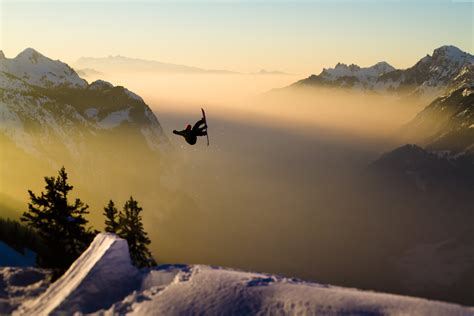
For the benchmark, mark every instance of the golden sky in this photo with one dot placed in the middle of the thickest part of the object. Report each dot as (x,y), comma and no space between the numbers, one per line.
(299,37)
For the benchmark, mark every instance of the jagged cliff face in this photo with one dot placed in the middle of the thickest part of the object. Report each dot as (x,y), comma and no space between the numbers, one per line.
(50,117)
(447,124)
(436,72)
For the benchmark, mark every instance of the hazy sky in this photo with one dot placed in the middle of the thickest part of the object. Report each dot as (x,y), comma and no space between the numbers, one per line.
(294,36)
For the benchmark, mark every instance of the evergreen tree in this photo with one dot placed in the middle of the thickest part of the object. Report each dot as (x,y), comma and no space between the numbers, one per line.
(131,229)
(112,218)
(61,225)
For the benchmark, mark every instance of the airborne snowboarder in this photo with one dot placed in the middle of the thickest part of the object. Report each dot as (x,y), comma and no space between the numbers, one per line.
(199,129)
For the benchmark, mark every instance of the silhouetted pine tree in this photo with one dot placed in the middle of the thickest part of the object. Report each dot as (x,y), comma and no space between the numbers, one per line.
(61,225)
(112,218)
(131,229)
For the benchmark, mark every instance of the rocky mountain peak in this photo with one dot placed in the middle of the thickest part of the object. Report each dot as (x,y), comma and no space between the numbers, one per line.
(30,55)
(383,67)
(449,52)
(39,70)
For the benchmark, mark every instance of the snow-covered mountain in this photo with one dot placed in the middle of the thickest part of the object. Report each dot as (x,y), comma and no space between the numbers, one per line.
(46,108)
(38,70)
(348,76)
(103,282)
(431,75)
(436,72)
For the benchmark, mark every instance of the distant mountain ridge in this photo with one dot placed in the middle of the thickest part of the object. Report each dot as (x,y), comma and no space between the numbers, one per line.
(119,63)
(431,74)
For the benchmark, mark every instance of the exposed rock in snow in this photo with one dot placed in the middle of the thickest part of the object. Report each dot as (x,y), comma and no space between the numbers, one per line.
(12,83)
(363,74)
(102,281)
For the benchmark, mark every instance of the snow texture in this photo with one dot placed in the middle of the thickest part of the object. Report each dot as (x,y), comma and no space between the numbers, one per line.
(103,282)
(116,118)
(20,284)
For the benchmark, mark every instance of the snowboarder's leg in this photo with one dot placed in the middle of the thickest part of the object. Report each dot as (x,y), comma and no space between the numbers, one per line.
(201,132)
(198,124)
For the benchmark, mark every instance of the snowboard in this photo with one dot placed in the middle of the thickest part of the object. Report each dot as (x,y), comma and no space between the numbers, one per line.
(205,122)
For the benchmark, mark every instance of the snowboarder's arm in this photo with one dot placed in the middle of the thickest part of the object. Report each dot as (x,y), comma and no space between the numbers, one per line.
(179,132)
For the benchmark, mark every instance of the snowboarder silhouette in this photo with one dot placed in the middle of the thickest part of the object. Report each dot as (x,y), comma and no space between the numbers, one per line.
(191,134)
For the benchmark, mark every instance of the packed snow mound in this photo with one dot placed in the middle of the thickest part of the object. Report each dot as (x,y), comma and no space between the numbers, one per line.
(102,275)
(205,290)
(103,282)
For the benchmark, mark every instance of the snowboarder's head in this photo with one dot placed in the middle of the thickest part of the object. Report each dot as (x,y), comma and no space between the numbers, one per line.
(188,127)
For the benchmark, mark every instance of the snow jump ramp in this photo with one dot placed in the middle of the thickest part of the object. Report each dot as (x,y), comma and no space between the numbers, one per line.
(102,275)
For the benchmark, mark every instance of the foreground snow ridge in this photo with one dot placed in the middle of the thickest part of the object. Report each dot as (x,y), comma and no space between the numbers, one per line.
(104,282)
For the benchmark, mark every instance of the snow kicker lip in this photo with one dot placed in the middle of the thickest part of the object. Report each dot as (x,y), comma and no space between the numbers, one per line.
(104,268)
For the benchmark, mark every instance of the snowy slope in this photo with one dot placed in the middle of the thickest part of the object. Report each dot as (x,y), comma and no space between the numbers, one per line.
(103,281)
(11,257)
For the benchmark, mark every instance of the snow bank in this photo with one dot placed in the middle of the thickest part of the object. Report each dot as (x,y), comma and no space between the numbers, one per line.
(102,275)
(204,290)
(20,284)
